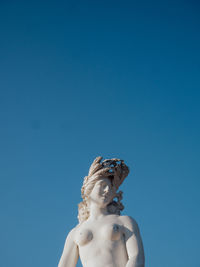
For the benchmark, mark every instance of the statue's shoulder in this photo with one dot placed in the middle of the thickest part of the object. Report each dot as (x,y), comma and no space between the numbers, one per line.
(72,233)
(78,227)
(129,222)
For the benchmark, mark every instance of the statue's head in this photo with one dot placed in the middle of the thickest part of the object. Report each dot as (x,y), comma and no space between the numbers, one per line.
(101,185)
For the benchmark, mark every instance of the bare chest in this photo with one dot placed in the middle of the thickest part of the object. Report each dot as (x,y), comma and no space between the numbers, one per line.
(98,233)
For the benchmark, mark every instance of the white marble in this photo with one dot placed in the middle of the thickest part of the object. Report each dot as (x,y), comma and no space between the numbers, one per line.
(103,238)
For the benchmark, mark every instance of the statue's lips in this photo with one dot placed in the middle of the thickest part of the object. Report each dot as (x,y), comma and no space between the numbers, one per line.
(105,196)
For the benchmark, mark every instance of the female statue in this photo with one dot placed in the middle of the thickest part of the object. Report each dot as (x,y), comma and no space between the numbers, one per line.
(103,238)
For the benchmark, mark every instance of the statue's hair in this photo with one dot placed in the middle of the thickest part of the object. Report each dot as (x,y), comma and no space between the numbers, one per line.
(113,169)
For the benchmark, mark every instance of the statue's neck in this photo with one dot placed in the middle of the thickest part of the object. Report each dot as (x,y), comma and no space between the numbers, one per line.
(97,212)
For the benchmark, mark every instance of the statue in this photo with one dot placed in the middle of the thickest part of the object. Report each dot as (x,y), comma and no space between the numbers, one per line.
(103,238)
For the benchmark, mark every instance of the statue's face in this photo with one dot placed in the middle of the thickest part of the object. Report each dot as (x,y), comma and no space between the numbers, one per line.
(103,192)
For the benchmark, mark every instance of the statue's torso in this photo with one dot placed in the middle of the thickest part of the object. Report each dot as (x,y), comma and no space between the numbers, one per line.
(101,242)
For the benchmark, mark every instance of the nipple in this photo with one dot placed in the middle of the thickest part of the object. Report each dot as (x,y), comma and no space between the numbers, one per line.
(84,236)
(112,232)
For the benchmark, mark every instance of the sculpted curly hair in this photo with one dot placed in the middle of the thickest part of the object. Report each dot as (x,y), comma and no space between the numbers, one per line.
(114,169)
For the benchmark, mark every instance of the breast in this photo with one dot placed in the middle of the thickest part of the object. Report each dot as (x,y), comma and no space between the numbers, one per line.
(112,231)
(83,237)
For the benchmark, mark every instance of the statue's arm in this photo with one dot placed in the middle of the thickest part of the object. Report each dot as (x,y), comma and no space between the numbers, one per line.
(134,244)
(70,253)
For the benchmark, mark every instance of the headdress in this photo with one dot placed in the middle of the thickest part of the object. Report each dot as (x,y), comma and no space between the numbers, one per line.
(114,168)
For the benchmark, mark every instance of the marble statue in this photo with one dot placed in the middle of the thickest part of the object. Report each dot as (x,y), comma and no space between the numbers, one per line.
(103,237)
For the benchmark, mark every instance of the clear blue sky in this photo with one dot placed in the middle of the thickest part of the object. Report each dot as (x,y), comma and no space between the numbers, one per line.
(81,79)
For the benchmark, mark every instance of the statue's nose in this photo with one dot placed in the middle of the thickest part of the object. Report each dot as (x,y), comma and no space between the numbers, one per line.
(106,189)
